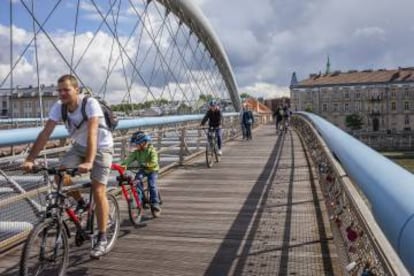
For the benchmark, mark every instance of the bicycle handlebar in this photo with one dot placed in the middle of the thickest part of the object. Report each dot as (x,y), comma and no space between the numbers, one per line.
(121,169)
(55,171)
(208,128)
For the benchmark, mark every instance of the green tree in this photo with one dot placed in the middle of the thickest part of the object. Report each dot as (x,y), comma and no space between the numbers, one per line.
(245,95)
(309,109)
(354,121)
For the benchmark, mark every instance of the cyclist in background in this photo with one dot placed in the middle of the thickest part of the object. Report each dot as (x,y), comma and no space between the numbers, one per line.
(146,156)
(215,120)
(278,115)
(286,116)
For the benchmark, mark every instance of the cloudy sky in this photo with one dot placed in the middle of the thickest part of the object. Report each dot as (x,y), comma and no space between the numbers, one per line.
(266,40)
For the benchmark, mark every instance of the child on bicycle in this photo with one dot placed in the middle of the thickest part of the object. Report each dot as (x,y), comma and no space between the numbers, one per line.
(147,158)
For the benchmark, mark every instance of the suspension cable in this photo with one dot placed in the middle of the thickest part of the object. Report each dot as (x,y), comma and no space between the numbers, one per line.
(11,52)
(74,35)
(27,46)
(51,41)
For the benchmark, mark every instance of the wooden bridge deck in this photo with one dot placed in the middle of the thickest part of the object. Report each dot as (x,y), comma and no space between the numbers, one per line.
(258,212)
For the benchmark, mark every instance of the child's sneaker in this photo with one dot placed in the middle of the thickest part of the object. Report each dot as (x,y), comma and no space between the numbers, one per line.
(156,210)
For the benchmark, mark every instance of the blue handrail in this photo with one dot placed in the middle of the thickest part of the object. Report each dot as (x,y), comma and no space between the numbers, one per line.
(388,187)
(28,135)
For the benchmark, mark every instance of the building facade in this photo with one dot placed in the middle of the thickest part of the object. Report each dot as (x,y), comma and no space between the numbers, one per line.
(383,98)
(273,104)
(25,102)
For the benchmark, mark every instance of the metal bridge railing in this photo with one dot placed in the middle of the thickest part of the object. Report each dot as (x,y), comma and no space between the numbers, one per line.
(360,241)
(177,139)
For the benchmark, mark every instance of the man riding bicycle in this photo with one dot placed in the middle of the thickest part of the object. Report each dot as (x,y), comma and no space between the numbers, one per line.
(146,156)
(91,152)
(215,120)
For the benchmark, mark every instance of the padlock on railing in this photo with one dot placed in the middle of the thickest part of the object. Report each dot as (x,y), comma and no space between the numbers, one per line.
(367,270)
(330,178)
(351,233)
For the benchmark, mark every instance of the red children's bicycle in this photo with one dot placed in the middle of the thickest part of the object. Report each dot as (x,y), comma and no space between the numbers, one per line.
(135,193)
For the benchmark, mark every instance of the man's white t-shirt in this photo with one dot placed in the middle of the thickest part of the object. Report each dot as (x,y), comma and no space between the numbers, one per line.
(92,109)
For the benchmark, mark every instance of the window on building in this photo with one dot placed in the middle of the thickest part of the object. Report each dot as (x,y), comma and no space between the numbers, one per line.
(357,94)
(335,108)
(393,93)
(393,106)
(324,107)
(4,105)
(407,120)
(357,107)
(346,94)
(406,106)
(346,107)
(405,91)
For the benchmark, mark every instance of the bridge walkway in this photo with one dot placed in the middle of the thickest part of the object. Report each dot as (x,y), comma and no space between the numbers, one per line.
(259,211)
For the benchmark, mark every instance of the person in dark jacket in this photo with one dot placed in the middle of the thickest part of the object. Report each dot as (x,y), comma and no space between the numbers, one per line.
(215,120)
(278,115)
(248,120)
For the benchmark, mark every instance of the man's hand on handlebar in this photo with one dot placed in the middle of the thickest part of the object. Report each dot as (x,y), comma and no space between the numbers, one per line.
(85,167)
(27,165)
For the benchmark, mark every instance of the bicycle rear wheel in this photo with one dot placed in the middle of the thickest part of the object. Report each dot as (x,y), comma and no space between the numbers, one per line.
(209,155)
(216,155)
(46,251)
(134,211)
(147,197)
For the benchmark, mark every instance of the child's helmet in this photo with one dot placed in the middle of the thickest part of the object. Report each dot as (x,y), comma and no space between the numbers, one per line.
(139,137)
(212,103)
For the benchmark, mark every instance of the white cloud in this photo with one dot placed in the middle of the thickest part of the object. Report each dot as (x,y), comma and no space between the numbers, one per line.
(370,32)
(266,90)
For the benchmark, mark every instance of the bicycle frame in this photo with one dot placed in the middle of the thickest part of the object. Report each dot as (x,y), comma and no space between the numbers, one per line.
(123,181)
(212,138)
(59,204)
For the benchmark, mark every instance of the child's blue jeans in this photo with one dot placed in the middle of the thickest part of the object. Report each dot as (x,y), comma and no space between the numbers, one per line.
(152,184)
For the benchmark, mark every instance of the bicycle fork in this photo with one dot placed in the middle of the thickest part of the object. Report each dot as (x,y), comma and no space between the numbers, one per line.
(134,194)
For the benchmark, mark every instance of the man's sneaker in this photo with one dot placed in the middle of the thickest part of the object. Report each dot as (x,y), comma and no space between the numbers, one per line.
(219,152)
(99,249)
(156,210)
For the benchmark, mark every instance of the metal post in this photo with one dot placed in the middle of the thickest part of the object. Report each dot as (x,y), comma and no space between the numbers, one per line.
(198,139)
(182,145)
(159,140)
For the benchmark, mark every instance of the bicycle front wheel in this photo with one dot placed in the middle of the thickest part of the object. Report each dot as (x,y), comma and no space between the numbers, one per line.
(209,156)
(217,156)
(134,209)
(46,251)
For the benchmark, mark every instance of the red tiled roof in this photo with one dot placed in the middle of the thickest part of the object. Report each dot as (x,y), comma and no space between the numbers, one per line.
(255,105)
(360,77)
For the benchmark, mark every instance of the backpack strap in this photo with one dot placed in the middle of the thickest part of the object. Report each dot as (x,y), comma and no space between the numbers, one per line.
(83,110)
(64,111)
(85,116)
(66,119)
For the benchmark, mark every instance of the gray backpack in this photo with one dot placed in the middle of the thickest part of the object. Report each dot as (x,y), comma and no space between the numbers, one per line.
(111,119)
